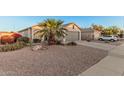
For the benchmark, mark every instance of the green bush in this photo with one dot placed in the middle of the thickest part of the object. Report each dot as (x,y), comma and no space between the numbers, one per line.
(23,39)
(12,47)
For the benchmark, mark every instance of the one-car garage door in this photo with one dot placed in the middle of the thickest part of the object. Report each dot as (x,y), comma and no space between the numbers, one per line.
(72,36)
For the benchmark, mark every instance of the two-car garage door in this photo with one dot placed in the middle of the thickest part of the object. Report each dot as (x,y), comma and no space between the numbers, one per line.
(72,36)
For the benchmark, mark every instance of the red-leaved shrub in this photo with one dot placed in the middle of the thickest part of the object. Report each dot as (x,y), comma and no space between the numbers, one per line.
(9,37)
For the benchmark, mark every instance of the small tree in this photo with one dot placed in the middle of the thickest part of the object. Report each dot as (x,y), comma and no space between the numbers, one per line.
(107,31)
(112,30)
(115,30)
(97,27)
(121,34)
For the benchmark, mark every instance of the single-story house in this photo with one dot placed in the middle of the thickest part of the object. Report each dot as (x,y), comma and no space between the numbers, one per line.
(73,32)
(90,34)
(29,31)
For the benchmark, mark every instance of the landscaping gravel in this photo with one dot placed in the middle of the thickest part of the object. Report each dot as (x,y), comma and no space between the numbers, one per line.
(55,61)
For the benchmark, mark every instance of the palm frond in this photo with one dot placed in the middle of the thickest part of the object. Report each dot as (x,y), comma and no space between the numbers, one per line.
(54,27)
(41,33)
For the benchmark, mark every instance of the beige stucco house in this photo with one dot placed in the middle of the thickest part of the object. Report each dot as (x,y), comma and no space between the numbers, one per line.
(73,32)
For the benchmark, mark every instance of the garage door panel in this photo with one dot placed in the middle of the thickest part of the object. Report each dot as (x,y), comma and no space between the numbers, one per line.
(72,36)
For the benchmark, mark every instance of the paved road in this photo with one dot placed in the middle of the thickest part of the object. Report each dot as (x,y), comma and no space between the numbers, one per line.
(96,45)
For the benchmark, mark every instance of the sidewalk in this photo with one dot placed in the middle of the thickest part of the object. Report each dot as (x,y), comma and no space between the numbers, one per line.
(112,65)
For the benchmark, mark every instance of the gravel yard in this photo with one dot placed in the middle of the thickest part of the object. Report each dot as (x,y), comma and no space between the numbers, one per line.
(57,60)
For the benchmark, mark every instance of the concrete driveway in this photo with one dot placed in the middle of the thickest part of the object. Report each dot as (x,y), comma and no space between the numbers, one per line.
(112,65)
(101,46)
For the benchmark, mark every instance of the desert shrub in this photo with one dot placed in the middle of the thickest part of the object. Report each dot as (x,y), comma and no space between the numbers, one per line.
(12,47)
(72,43)
(23,39)
(36,40)
(59,42)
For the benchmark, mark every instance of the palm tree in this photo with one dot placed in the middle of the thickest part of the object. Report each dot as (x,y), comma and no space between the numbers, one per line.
(52,30)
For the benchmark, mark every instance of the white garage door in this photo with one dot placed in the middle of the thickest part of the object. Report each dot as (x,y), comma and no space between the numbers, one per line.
(72,36)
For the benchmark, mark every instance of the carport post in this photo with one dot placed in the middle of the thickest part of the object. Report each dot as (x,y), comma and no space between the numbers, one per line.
(79,35)
(31,34)
(64,38)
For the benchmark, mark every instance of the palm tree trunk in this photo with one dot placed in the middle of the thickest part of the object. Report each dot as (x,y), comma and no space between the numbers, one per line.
(51,40)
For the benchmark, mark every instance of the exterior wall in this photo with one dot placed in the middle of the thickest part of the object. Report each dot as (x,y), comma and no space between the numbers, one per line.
(97,34)
(90,35)
(25,33)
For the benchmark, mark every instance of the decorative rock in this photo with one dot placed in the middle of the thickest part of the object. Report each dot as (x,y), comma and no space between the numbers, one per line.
(38,47)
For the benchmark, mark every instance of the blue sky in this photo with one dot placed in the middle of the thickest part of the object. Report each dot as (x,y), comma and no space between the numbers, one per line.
(15,23)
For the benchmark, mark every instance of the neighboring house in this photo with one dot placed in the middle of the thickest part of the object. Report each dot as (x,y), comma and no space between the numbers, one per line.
(90,34)
(73,32)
